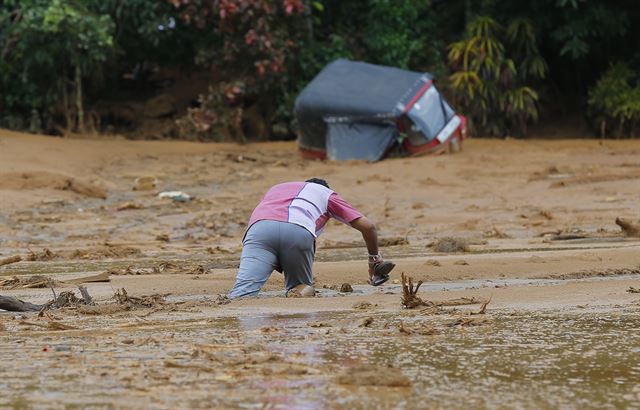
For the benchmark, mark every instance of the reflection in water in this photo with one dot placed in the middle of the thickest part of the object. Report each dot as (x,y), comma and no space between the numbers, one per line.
(512,359)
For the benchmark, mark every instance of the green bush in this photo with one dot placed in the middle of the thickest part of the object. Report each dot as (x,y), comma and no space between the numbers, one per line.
(614,102)
(493,72)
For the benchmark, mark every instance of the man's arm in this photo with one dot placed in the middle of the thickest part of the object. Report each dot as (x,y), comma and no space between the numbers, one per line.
(369,233)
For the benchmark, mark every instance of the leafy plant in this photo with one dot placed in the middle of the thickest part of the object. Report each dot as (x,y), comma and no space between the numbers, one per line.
(614,101)
(48,49)
(493,69)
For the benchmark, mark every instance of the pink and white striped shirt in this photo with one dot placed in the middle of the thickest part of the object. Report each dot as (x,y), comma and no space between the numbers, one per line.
(307,204)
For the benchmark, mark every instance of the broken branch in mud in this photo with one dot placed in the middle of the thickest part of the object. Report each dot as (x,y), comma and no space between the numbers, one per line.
(12,304)
(10,260)
(628,227)
(633,290)
(410,300)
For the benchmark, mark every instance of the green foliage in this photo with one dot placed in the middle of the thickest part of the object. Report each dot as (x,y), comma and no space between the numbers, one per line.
(492,70)
(614,101)
(394,33)
(45,44)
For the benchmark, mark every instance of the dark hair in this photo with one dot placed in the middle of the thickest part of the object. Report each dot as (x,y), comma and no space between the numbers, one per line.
(318,181)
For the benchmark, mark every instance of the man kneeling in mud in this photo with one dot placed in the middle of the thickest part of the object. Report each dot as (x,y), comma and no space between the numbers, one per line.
(282,234)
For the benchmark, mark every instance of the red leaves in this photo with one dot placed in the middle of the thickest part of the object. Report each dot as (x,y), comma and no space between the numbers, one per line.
(293,6)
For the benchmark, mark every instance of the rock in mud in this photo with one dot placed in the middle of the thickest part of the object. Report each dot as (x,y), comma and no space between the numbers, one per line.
(346,288)
(450,245)
(368,375)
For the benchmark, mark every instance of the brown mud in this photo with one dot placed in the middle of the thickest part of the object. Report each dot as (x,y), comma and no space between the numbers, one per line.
(528,225)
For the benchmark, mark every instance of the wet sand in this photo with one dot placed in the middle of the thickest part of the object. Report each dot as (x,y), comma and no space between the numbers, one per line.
(537,216)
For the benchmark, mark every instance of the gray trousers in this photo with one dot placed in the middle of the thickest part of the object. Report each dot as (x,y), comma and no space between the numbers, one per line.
(270,245)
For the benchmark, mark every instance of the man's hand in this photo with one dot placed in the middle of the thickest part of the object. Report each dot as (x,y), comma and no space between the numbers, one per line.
(378,268)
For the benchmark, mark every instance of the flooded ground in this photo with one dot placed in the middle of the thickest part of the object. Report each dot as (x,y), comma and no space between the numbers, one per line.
(535,221)
(179,360)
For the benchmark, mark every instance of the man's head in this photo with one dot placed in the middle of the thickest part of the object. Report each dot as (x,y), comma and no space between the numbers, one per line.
(318,181)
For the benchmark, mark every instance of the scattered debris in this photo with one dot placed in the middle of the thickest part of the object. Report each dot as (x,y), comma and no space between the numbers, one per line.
(461,262)
(129,205)
(628,227)
(106,251)
(432,262)
(458,302)
(450,244)
(163,267)
(496,233)
(145,183)
(367,322)
(45,255)
(26,282)
(633,290)
(176,196)
(346,288)
(10,260)
(364,305)
(367,375)
(134,302)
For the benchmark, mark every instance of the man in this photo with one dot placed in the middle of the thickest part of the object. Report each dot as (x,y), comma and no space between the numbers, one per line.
(282,232)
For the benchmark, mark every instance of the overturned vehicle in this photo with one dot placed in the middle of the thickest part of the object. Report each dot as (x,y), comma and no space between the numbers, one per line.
(356,110)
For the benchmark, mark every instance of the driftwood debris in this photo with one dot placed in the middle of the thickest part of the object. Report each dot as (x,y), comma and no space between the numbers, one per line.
(100,277)
(25,282)
(410,300)
(10,259)
(628,227)
(12,304)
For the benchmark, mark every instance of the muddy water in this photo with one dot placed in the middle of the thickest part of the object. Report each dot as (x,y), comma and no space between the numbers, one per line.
(194,358)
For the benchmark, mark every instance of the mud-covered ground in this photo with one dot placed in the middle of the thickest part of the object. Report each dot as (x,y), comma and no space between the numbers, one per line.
(534,223)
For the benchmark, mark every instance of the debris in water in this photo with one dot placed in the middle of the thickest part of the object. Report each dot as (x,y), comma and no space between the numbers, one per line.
(483,307)
(432,262)
(633,290)
(367,322)
(367,375)
(410,300)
